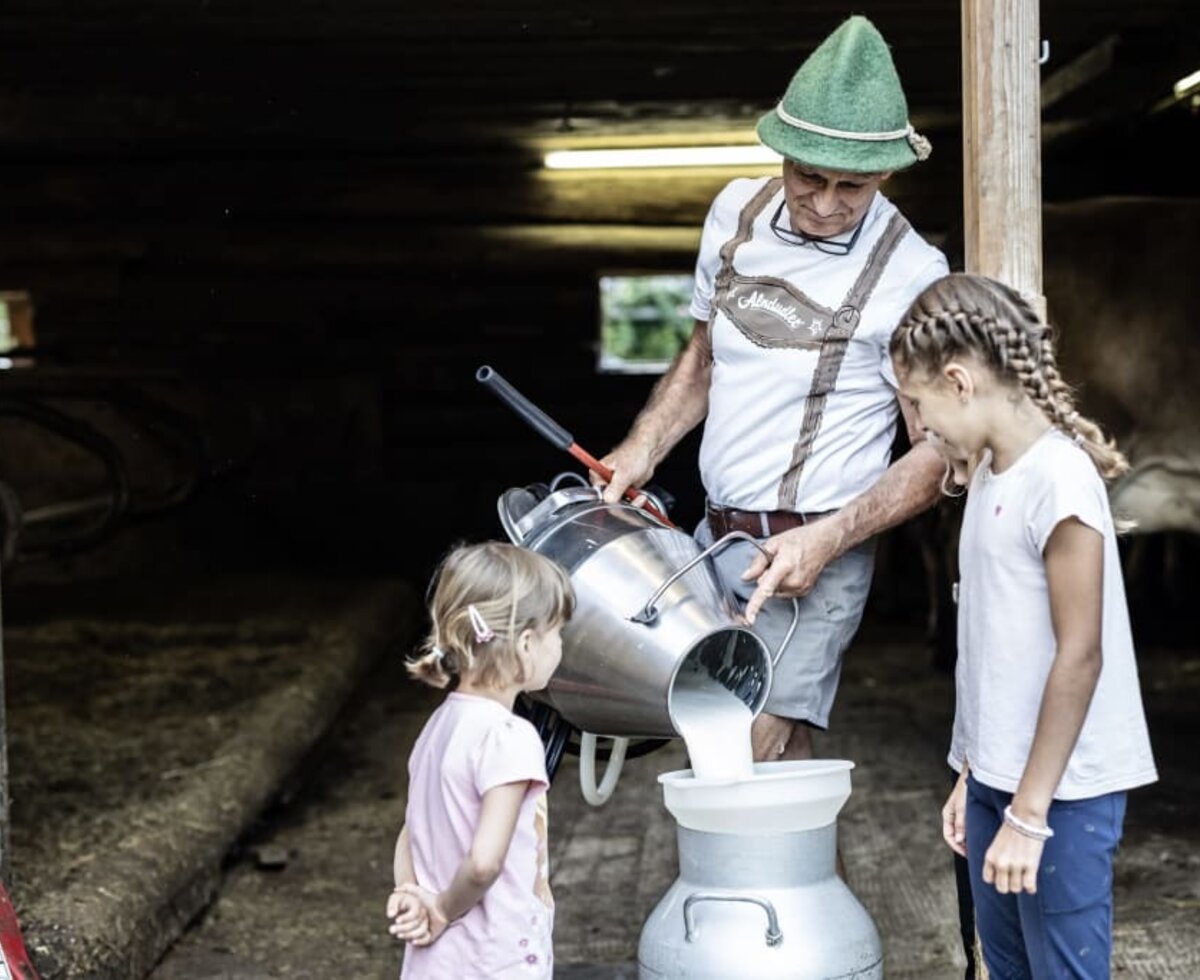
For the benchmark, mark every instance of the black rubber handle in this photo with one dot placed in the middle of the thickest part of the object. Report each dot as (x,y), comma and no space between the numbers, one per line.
(534,416)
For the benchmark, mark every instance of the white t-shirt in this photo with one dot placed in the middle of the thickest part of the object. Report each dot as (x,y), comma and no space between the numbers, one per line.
(1006,642)
(758,394)
(470,745)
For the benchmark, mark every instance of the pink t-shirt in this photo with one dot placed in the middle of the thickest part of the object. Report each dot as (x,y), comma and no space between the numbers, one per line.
(470,745)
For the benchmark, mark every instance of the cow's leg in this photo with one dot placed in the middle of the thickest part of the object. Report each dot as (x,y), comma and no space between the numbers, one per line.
(937,530)
(1178,553)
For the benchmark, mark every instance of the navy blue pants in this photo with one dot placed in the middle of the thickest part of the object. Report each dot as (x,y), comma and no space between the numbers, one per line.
(1064,930)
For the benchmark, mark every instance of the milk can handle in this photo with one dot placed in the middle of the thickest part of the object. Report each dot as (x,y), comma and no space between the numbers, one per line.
(774,936)
(649,612)
(593,794)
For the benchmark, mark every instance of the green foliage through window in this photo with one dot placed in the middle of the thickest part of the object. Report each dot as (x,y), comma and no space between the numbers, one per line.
(644,321)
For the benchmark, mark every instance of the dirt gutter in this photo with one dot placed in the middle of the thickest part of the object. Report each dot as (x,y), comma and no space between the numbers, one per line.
(124,909)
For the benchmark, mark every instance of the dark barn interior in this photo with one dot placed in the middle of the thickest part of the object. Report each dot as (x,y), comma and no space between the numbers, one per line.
(255,254)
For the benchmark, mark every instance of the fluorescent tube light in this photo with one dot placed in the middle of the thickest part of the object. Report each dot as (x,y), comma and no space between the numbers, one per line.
(1187,84)
(662,156)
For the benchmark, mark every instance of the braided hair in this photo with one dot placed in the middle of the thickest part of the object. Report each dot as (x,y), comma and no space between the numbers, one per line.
(968,315)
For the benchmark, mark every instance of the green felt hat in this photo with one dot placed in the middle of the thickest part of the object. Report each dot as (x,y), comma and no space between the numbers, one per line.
(844,108)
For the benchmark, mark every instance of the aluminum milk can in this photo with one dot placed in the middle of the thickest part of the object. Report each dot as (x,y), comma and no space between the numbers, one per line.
(758,896)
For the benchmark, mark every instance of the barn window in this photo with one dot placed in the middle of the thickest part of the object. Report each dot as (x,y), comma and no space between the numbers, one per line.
(644,321)
(16,324)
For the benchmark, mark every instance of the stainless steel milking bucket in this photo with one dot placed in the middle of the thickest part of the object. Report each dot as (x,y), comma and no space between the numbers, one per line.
(650,611)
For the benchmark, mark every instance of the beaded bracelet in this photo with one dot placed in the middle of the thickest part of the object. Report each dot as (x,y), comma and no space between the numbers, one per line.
(1026,829)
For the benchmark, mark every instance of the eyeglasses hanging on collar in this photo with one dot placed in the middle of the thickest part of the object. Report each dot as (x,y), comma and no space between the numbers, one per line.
(827,245)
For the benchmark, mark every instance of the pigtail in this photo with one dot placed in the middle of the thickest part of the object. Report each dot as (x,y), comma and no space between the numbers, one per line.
(433,666)
(1109,460)
(449,650)
(1033,359)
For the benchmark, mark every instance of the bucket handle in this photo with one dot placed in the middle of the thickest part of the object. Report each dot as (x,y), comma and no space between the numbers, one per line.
(649,612)
(774,935)
(593,794)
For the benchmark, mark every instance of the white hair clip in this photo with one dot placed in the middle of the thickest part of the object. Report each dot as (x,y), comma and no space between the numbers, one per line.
(437,653)
(483,632)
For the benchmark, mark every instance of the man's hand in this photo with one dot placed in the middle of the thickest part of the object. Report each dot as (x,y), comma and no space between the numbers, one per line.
(632,466)
(954,817)
(797,559)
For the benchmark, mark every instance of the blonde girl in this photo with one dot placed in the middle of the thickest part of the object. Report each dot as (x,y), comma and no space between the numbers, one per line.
(1049,731)
(471,894)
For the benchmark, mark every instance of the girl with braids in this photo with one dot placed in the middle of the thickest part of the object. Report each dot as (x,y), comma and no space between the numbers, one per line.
(472,896)
(1049,731)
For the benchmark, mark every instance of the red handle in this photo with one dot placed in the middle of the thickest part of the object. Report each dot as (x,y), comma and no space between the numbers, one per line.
(602,471)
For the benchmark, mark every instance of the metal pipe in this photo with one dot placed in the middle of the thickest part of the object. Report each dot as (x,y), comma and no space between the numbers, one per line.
(557,436)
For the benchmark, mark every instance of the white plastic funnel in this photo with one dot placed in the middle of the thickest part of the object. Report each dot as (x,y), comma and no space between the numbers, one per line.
(780,798)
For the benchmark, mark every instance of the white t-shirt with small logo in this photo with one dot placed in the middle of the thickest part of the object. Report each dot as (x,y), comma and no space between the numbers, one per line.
(757,396)
(1006,641)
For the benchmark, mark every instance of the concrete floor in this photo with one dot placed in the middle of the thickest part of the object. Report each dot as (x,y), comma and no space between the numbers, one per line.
(321,914)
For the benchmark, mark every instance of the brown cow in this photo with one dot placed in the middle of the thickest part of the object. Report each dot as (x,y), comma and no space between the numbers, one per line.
(1123,289)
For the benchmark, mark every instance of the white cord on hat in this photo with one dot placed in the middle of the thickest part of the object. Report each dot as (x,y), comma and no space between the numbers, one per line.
(920,145)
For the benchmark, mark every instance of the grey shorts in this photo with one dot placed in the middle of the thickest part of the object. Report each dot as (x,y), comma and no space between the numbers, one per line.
(806,676)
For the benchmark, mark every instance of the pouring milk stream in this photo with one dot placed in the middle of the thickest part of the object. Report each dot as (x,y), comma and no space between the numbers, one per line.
(715,725)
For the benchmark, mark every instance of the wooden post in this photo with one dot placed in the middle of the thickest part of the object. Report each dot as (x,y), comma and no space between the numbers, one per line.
(1002,161)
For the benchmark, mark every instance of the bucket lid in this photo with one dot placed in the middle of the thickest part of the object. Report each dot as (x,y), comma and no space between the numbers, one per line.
(525,511)
(513,506)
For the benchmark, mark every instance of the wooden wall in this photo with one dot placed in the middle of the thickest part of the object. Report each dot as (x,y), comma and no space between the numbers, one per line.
(287,283)
(306,227)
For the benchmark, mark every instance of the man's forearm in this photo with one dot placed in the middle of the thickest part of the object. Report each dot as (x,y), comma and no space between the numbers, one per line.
(678,402)
(908,487)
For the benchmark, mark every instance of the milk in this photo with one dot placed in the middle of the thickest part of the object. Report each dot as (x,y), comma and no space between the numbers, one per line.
(714,724)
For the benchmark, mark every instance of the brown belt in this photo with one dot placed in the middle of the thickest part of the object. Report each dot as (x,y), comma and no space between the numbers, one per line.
(757,523)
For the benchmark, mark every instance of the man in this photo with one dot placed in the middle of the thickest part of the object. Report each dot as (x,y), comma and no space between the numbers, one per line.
(800,281)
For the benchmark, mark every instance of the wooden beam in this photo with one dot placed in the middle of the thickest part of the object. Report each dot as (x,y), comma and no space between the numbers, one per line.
(293,120)
(244,192)
(352,245)
(1089,66)
(1002,171)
